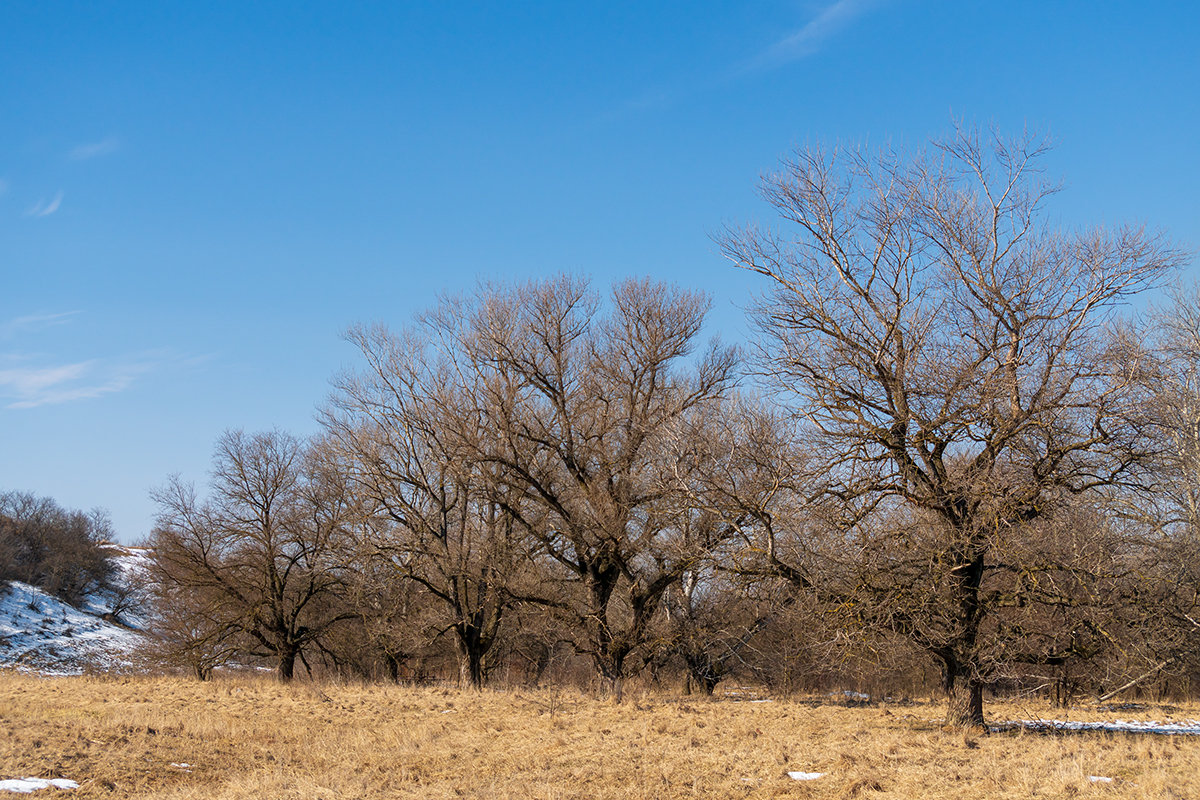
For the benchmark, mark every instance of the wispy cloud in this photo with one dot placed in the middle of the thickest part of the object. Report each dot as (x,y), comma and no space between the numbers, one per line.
(94,149)
(29,387)
(30,379)
(44,209)
(32,322)
(810,38)
(806,41)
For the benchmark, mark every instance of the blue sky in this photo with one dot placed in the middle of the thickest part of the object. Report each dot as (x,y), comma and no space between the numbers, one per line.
(196,199)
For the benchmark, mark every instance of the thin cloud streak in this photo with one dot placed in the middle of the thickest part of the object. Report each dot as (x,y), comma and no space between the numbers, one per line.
(33,322)
(94,149)
(809,39)
(45,209)
(33,380)
(804,42)
(30,387)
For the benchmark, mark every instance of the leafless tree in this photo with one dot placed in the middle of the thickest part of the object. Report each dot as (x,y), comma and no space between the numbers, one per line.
(408,425)
(1172,372)
(1166,638)
(949,353)
(189,629)
(48,546)
(263,557)
(580,406)
(736,473)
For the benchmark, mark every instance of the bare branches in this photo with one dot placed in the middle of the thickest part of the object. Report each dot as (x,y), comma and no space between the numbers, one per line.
(943,347)
(262,558)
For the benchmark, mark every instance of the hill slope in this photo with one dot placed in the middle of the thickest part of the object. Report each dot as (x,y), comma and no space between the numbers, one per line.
(40,633)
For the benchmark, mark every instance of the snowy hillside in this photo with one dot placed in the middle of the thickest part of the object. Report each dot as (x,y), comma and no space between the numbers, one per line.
(40,633)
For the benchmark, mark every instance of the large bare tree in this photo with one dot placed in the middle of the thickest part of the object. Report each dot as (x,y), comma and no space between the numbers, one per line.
(407,423)
(949,355)
(582,406)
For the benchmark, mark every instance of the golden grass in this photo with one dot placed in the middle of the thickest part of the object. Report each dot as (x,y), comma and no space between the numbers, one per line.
(248,738)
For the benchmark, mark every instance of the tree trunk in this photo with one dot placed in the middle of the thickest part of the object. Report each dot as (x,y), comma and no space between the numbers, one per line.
(287,664)
(392,664)
(541,663)
(965,706)
(702,673)
(614,687)
(607,658)
(470,668)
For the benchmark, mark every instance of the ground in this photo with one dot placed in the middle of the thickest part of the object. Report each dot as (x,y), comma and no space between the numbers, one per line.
(143,737)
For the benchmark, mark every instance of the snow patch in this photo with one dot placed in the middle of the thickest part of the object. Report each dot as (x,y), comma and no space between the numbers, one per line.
(40,633)
(1189,727)
(27,785)
(805,776)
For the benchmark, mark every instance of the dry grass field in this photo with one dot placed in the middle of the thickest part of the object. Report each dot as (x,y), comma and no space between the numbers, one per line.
(253,738)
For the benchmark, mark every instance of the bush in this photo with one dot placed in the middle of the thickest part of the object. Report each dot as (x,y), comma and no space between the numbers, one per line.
(57,550)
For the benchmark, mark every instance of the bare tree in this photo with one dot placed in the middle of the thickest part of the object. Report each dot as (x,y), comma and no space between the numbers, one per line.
(188,629)
(1173,374)
(407,426)
(1167,638)
(948,353)
(48,546)
(737,473)
(264,555)
(580,407)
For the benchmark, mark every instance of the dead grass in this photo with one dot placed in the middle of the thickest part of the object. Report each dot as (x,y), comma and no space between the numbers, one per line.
(254,738)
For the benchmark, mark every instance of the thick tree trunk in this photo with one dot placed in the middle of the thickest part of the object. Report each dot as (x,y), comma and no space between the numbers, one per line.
(963,685)
(606,656)
(472,648)
(610,666)
(286,664)
(541,663)
(964,708)
(702,675)
(470,668)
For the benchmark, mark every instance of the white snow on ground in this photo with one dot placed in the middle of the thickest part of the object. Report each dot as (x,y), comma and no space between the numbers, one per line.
(1189,727)
(27,785)
(40,633)
(131,564)
(743,694)
(1099,779)
(805,776)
